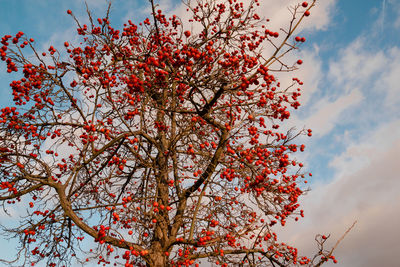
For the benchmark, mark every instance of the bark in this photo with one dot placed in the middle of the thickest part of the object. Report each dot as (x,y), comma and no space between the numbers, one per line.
(157,257)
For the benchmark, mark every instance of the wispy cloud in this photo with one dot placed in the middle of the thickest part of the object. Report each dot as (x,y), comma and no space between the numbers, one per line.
(327,113)
(382,16)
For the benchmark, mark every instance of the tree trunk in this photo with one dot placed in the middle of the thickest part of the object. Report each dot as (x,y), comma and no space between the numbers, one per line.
(158,259)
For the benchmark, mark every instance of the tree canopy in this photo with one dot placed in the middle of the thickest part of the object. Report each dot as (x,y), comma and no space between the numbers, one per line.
(158,144)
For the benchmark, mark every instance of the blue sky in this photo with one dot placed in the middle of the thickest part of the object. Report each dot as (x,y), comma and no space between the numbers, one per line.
(351,101)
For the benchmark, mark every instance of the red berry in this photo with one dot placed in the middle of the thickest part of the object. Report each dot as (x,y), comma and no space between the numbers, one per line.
(298,38)
(304,4)
(69,12)
(66,44)
(299,61)
(307,13)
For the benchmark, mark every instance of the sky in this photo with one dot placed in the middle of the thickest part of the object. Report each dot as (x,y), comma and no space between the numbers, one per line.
(351,101)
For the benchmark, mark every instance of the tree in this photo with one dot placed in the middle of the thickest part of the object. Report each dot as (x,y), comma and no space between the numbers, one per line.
(161,144)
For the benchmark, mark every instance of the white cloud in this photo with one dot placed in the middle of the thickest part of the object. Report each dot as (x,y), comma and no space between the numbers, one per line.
(327,114)
(357,156)
(277,12)
(366,191)
(360,81)
(356,64)
(310,73)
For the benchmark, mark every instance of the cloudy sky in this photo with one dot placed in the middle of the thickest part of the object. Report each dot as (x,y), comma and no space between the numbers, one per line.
(351,101)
